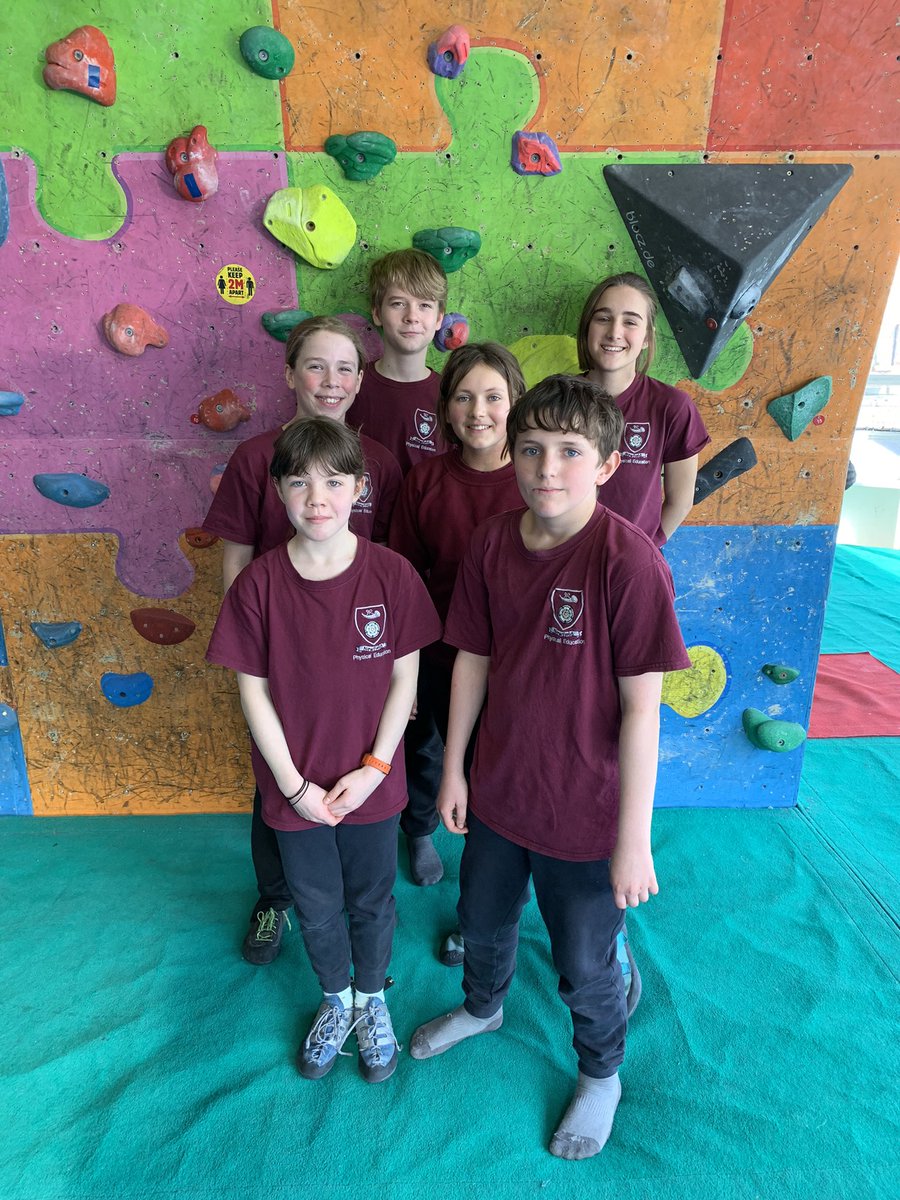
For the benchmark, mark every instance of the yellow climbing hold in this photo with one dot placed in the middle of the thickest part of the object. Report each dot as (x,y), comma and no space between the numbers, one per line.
(546,354)
(313,222)
(695,689)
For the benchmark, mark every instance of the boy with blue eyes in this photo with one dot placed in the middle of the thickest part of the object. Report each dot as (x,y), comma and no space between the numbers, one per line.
(564,623)
(324,632)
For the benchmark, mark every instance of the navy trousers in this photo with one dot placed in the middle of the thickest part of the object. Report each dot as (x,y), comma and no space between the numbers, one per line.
(273,887)
(344,869)
(576,902)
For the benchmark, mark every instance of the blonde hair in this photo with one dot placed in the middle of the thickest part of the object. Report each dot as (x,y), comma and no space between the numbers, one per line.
(414,271)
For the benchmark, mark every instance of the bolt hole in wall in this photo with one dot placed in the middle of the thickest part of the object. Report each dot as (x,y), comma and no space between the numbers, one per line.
(871,512)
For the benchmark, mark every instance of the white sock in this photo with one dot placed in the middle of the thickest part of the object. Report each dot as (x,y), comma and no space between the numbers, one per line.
(345,997)
(443,1032)
(588,1120)
(361,999)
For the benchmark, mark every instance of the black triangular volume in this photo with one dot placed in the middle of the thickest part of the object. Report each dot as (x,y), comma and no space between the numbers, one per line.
(712,237)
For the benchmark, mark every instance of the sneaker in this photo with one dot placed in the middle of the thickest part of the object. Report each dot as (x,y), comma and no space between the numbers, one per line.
(452,950)
(631,976)
(378,1047)
(263,941)
(323,1043)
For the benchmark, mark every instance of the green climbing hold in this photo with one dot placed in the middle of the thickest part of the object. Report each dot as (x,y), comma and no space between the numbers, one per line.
(361,155)
(313,222)
(779,674)
(451,246)
(280,322)
(766,734)
(794,411)
(267,52)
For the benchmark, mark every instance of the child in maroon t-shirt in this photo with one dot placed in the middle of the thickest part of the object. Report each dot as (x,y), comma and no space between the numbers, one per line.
(324,361)
(663,430)
(564,620)
(324,633)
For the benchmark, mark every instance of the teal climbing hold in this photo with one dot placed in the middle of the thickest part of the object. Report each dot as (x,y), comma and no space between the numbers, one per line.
(794,411)
(267,52)
(56,633)
(75,491)
(768,734)
(779,674)
(280,323)
(10,403)
(452,245)
(361,155)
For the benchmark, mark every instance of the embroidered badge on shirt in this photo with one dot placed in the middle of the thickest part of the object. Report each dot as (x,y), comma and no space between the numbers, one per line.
(635,440)
(363,502)
(567,608)
(371,623)
(426,425)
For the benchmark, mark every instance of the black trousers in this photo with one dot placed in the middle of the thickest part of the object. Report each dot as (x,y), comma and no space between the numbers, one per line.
(273,887)
(342,881)
(577,905)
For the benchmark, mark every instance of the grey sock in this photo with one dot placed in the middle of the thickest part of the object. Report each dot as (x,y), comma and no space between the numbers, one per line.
(443,1032)
(588,1120)
(424,861)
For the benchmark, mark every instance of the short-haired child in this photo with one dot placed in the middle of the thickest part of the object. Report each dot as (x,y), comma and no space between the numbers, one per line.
(564,621)
(324,360)
(442,500)
(664,432)
(324,633)
(398,396)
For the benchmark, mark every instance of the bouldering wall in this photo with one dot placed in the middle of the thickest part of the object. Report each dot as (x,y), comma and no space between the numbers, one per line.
(108,459)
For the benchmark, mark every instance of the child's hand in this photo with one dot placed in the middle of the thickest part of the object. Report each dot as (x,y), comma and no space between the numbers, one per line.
(352,790)
(632,876)
(453,803)
(313,807)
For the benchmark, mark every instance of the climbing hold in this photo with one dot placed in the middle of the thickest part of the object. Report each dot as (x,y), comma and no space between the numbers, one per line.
(794,411)
(728,464)
(451,246)
(9,722)
(447,56)
(545,354)
(56,633)
(780,675)
(199,538)
(221,412)
(267,52)
(361,155)
(125,691)
(4,206)
(130,330)
(75,491)
(534,154)
(280,322)
(215,477)
(192,161)
(766,734)
(850,477)
(162,625)
(83,62)
(10,403)
(697,688)
(313,222)
(453,332)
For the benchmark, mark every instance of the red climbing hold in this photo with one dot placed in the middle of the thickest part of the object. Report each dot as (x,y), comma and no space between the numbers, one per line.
(192,161)
(83,62)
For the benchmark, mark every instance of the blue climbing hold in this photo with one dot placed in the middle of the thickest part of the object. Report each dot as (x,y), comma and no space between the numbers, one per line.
(10,403)
(9,722)
(56,633)
(75,491)
(4,206)
(125,691)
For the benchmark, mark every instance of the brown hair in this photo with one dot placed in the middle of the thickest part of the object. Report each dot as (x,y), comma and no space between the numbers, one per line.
(625,279)
(568,404)
(317,441)
(461,362)
(311,325)
(414,271)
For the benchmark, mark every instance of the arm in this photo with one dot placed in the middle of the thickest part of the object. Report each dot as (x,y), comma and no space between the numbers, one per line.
(354,788)
(679,479)
(631,872)
(467,692)
(235,557)
(268,734)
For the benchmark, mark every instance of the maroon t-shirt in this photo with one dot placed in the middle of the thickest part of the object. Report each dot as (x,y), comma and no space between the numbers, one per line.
(247,509)
(327,648)
(560,627)
(662,425)
(400,416)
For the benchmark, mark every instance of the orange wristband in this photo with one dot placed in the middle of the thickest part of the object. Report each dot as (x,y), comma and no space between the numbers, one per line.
(369,760)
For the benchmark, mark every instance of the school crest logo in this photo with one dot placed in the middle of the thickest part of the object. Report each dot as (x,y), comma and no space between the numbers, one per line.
(370,622)
(366,494)
(426,423)
(637,435)
(567,605)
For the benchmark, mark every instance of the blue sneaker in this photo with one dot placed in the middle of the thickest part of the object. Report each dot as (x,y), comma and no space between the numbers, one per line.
(378,1048)
(323,1043)
(631,976)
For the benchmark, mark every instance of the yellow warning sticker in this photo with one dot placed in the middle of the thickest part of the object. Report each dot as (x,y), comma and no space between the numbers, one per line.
(235,284)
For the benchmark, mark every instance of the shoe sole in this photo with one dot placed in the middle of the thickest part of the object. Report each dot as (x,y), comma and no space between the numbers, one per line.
(380,1073)
(311,1071)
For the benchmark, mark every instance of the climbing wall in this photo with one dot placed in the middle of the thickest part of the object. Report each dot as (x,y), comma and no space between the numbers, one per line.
(108,459)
